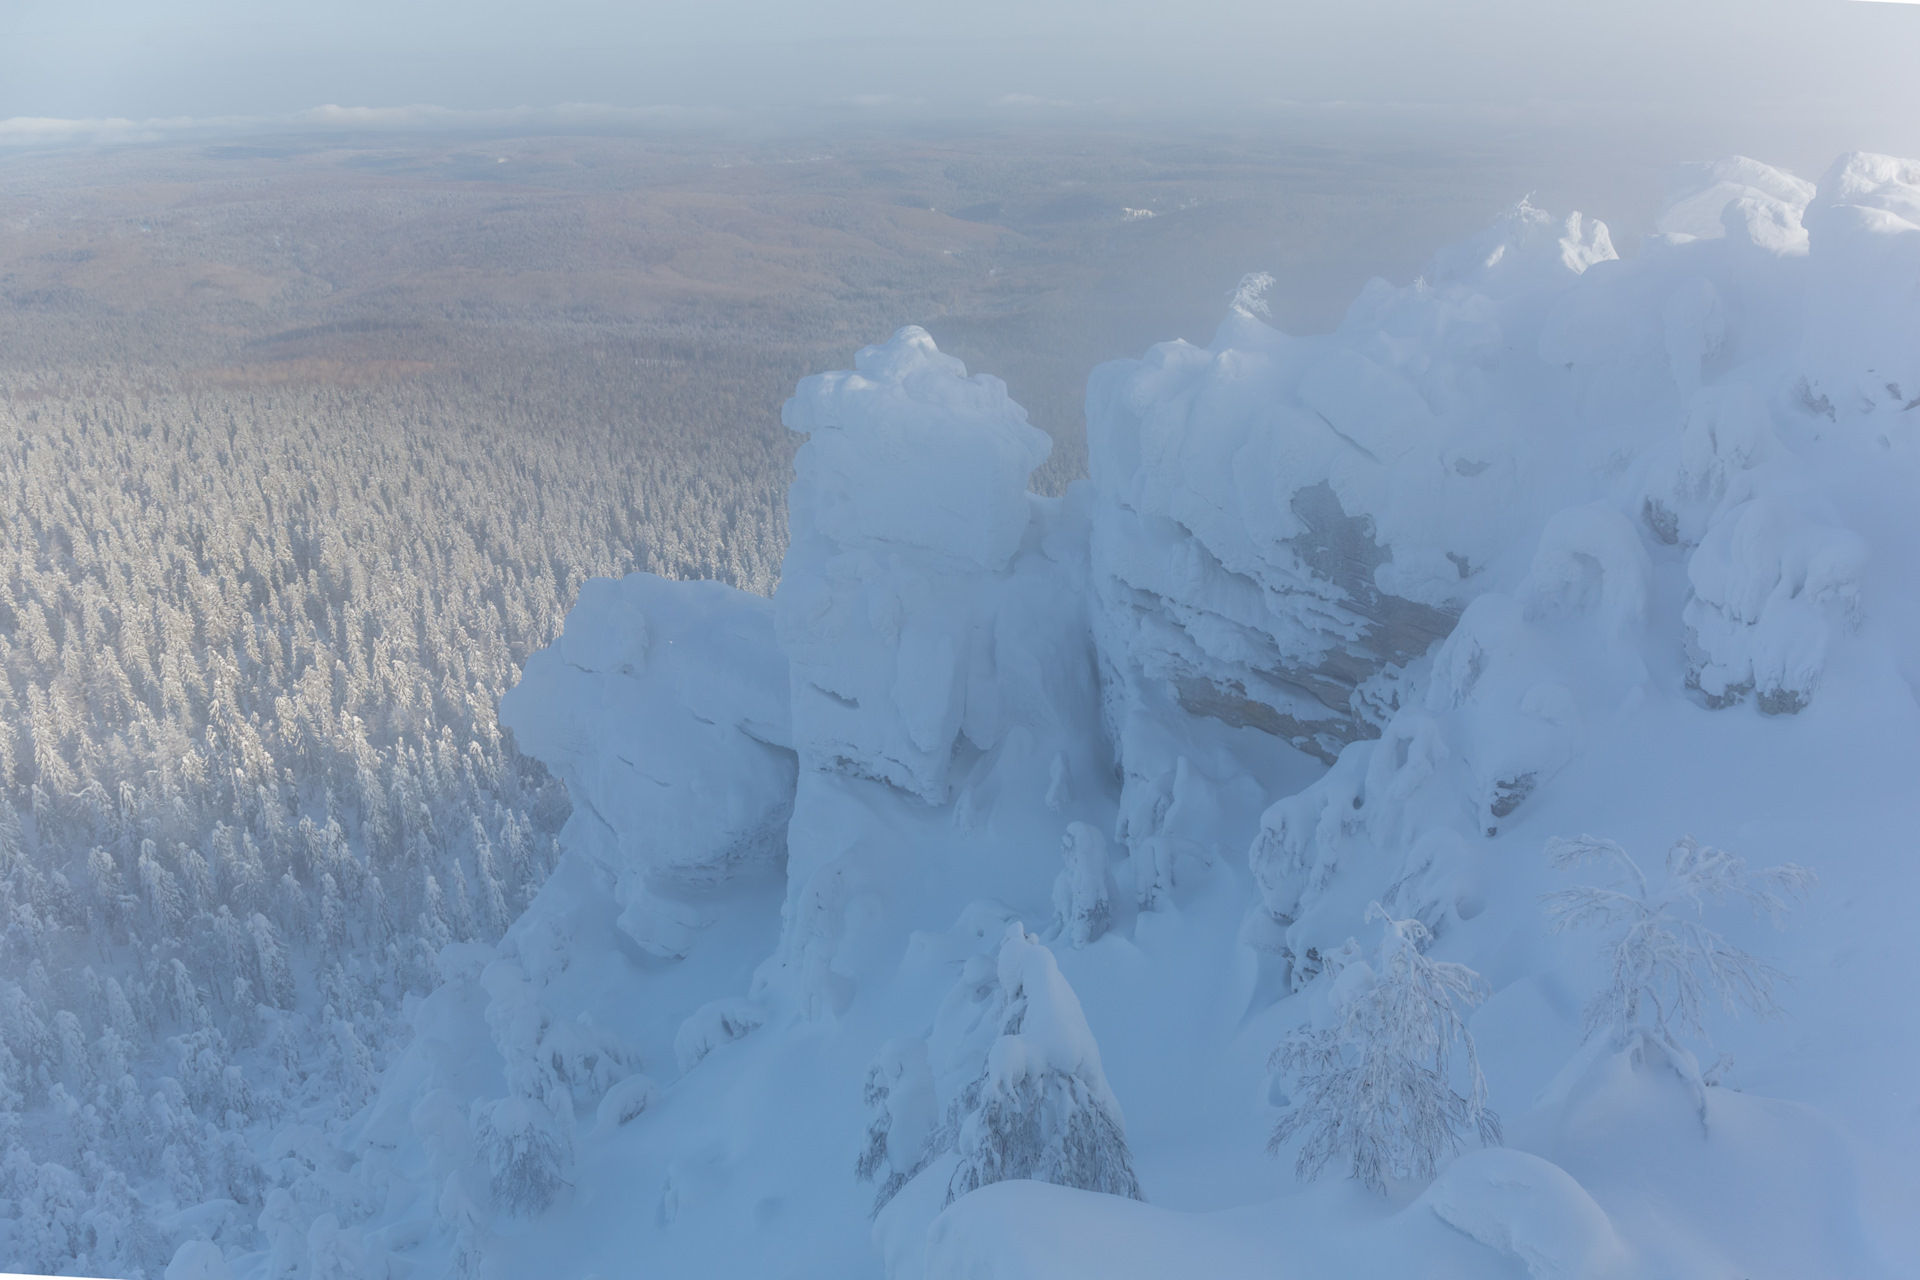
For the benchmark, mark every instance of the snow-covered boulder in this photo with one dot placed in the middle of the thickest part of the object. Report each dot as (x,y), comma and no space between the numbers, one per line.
(909,503)
(663,707)
(1737,197)
(1769,585)
(935,615)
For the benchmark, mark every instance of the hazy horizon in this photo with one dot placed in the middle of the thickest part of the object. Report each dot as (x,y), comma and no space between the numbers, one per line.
(1795,80)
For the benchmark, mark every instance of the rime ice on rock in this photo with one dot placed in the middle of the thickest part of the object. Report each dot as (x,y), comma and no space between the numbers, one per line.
(909,501)
(934,613)
(664,709)
(1083,895)
(1736,197)
(1281,521)
(1861,358)
(1770,583)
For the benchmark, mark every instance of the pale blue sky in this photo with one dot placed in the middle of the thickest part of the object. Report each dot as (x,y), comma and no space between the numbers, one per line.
(1642,61)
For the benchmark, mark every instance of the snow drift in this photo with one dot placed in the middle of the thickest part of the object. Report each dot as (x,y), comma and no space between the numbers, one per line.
(990,862)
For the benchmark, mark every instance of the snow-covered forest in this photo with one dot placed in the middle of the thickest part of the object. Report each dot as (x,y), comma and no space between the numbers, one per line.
(251,775)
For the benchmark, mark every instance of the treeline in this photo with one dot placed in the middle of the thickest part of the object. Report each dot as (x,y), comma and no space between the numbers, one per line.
(251,781)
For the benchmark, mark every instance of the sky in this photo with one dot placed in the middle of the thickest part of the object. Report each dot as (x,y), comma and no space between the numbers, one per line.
(1808,68)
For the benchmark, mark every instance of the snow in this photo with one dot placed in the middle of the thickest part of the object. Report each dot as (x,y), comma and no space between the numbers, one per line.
(916,922)
(909,503)
(677,751)
(198,1260)
(1530,1209)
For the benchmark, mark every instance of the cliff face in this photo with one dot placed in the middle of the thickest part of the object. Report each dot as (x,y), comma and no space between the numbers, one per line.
(1283,524)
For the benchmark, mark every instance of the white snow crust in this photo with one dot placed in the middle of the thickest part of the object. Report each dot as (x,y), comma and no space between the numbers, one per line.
(1087,799)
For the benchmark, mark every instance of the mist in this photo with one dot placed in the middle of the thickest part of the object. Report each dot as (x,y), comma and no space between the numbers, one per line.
(1787,77)
(1111,641)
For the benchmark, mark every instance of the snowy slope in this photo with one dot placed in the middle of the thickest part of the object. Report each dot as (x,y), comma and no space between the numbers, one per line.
(1062,813)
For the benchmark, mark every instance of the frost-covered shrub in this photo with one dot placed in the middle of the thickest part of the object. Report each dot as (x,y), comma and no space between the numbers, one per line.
(1048,1127)
(1376,1083)
(1664,965)
(540,1053)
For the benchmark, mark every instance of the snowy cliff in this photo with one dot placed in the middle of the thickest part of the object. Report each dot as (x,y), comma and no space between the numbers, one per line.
(941,917)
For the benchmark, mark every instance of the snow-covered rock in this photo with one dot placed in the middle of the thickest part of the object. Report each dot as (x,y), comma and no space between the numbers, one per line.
(1282,523)
(664,708)
(1524,548)
(909,502)
(1861,352)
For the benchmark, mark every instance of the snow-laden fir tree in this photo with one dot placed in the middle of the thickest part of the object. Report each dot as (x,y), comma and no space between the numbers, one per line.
(1041,1108)
(1665,967)
(527,1149)
(1376,1082)
(1013,1075)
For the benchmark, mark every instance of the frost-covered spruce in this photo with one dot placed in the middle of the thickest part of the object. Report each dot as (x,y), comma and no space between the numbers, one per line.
(1041,1109)
(1375,1084)
(527,1152)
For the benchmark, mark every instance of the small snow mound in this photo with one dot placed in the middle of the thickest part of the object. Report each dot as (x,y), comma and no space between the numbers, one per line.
(198,1260)
(624,1102)
(713,1024)
(1590,556)
(1530,1209)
